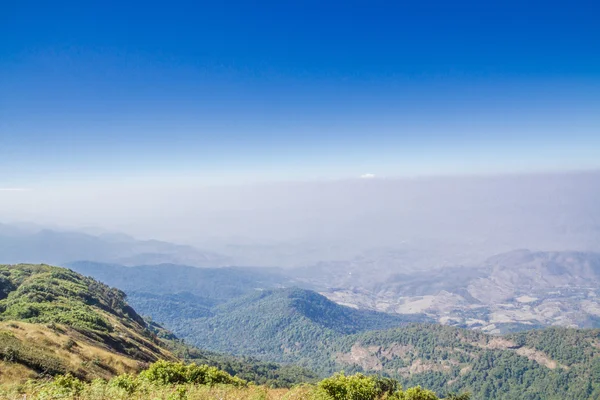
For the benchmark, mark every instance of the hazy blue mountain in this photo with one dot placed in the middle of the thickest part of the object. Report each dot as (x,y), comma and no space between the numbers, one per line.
(517,290)
(170,292)
(219,284)
(19,244)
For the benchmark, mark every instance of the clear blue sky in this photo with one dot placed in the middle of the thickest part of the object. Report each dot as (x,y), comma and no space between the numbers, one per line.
(296,90)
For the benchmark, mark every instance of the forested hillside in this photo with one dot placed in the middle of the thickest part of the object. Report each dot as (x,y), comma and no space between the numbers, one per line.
(547,364)
(287,325)
(303,327)
(168,290)
(295,326)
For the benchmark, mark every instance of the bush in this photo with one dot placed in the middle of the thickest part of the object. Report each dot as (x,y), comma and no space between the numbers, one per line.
(126,382)
(416,393)
(353,387)
(177,373)
(66,385)
(361,387)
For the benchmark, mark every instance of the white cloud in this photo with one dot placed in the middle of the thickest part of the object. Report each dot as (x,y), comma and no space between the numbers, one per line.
(367,176)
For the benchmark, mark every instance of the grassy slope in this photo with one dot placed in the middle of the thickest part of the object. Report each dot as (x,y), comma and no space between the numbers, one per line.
(54,321)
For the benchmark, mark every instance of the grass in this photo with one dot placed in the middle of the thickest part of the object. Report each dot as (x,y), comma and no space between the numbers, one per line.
(34,351)
(165,380)
(55,321)
(101,391)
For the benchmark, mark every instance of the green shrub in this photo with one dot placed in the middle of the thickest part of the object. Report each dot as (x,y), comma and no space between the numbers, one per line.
(126,382)
(353,387)
(416,393)
(66,385)
(177,373)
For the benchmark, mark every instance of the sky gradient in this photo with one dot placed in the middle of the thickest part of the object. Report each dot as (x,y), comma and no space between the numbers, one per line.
(230,92)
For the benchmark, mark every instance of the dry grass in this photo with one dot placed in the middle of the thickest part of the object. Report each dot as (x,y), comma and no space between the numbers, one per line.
(104,392)
(76,352)
(11,373)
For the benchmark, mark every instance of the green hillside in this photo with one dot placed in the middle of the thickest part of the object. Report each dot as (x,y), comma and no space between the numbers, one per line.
(536,365)
(303,327)
(55,321)
(285,325)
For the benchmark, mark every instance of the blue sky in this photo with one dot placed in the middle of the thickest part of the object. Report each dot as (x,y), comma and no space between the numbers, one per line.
(230,91)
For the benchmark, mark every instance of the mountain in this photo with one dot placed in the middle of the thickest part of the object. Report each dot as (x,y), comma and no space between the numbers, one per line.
(285,325)
(517,290)
(172,293)
(54,320)
(217,284)
(302,327)
(513,291)
(60,247)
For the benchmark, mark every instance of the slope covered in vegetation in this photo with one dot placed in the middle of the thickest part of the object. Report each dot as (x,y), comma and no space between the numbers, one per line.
(547,364)
(178,381)
(303,327)
(284,325)
(55,321)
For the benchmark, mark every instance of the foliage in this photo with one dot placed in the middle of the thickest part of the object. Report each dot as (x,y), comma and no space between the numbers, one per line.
(354,387)
(165,373)
(416,393)
(56,297)
(37,358)
(287,325)
(172,381)
(45,294)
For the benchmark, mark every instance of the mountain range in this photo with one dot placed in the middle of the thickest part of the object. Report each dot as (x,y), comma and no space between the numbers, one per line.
(513,291)
(53,320)
(517,290)
(42,245)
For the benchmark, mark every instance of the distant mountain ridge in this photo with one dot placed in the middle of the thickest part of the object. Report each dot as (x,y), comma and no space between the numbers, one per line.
(60,247)
(516,290)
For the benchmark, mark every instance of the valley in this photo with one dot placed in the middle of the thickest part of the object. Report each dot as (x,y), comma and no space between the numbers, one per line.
(514,291)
